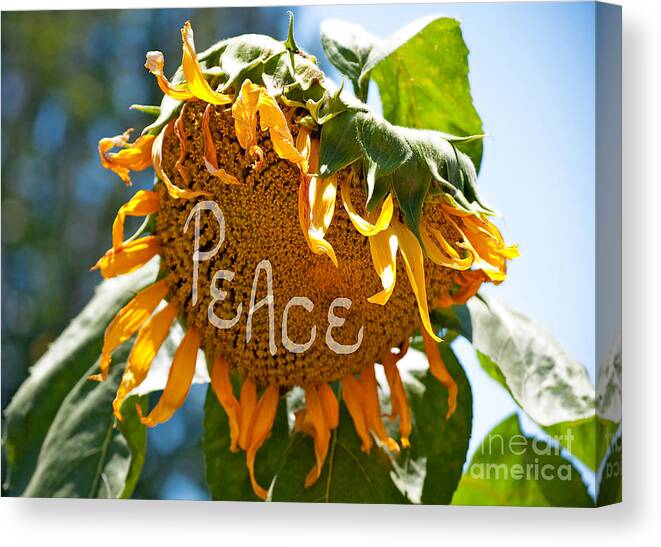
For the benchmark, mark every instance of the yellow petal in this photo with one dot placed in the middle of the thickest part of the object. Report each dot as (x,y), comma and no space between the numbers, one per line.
(179,381)
(318,427)
(210,155)
(195,80)
(363,226)
(143,203)
(439,257)
(244,112)
(128,320)
(415,270)
(263,419)
(304,145)
(353,395)
(383,247)
(248,402)
(134,156)
(222,387)
(180,132)
(157,159)
(322,193)
(398,397)
(150,338)
(373,408)
(128,258)
(329,404)
(155,64)
(272,118)
(469,283)
(440,371)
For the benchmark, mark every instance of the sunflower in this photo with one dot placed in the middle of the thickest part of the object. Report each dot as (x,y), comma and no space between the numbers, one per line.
(280,263)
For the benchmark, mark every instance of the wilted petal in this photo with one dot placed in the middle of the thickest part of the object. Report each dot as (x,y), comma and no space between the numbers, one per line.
(143,203)
(179,381)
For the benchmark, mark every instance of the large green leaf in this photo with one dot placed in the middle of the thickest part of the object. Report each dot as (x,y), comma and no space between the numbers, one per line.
(86,454)
(510,468)
(349,475)
(542,378)
(347,46)
(226,471)
(430,470)
(422,74)
(34,406)
(412,163)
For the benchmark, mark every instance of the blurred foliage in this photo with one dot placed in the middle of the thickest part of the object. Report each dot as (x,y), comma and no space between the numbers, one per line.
(68,80)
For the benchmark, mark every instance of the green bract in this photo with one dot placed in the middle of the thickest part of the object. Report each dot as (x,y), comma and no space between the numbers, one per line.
(410,162)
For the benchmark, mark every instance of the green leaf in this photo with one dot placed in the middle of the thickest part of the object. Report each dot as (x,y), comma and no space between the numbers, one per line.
(349,475)
(422,74)
(610,486)
(542,378)
(85,454)
(510,468)
(226,471)
(430,470)
(410,162)
(347,46)
(34,406)
(338,146)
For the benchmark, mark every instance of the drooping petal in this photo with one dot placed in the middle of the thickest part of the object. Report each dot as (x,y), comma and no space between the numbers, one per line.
(179,381)
(272,118)
(262,423)
(483,240)
(157,160)
(383,247)
(330,405)
(373,408)
(244,112)
(180,133)
(440,371)
(321,194)
(155,64)
(210,155)
(151,336)
(466,286)
(127,322)
(304,187)
(438,256)
(363,226)
(195,80)
(316,424)
(134,156)
(415,270)
(222,387)
(304,145)
(353,395)
(143,203)
(248,402)
(398,397)
(128,258)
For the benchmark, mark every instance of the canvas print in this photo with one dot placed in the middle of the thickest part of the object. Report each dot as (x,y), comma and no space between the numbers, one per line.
(357,254)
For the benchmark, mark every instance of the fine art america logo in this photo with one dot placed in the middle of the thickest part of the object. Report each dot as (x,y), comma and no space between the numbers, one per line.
(521,458)
(263,269)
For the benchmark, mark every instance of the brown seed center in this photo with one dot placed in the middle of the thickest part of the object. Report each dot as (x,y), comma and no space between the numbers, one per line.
(261,223)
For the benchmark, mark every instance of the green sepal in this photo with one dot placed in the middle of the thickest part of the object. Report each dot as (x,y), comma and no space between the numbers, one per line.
(152,110)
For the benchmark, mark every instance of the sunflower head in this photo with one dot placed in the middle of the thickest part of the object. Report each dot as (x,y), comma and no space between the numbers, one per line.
(301,239)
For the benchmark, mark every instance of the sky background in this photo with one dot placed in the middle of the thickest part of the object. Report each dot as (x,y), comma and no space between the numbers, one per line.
(532,80)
